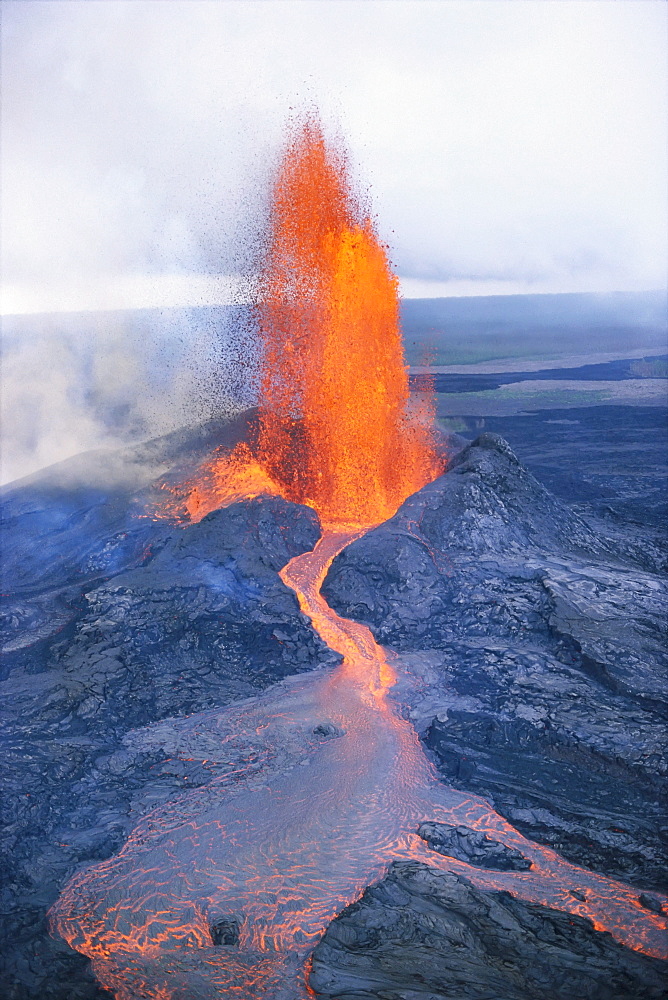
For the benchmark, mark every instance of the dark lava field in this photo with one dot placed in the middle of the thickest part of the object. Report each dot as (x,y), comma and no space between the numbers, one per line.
(524,593)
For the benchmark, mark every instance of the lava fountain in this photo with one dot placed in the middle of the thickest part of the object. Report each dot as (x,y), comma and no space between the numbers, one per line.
(278,855)
(337,427)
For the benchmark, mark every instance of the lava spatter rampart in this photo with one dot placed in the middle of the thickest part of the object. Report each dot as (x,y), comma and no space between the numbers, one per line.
(282,853)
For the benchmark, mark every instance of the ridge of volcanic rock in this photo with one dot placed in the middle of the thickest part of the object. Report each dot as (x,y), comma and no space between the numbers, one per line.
(472,846)
(252,538)
(488,502)
(430,935)
(85,518)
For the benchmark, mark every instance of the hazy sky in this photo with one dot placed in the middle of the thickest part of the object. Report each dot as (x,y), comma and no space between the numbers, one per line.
(508,145)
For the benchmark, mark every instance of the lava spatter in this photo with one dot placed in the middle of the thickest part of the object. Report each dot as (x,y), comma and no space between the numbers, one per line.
(337,428)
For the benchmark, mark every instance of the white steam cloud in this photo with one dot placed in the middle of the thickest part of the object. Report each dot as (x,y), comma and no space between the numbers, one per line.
(77,382)
(508,145)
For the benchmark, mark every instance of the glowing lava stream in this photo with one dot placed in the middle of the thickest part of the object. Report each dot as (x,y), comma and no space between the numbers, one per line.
(283,857)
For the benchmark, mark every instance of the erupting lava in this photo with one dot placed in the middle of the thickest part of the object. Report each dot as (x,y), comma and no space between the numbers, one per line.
(337,428)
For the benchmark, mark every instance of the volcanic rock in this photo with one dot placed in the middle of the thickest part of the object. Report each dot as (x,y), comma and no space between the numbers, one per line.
(225,932)
(651,903)
(426,935)
(534,656)
(200,620)
(473,847)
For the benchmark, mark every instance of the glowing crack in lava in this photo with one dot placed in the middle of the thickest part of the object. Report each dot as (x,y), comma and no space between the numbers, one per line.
(282,854)
(337,428)
(278,851)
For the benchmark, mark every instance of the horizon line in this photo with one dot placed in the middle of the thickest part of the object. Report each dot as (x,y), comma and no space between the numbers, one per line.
(135,292)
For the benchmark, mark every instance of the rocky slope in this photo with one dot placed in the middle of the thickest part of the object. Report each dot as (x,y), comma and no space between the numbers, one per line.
(534,652)
(183,619)
(422,935)
(529,654)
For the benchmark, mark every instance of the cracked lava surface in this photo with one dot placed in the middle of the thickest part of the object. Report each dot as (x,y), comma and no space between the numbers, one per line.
(282,852)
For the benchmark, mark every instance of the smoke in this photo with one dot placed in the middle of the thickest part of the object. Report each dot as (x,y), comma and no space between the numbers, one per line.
(76,382)
(503,140)
(505,143)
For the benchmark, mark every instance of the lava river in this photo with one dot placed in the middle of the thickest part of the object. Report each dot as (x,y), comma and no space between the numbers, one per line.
(278,852)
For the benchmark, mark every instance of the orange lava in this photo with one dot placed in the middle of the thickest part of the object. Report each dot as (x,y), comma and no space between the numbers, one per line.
(226,479)
(287,848)
(337,427)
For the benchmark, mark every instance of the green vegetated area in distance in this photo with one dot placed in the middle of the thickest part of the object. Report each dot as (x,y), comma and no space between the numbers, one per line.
(457,331)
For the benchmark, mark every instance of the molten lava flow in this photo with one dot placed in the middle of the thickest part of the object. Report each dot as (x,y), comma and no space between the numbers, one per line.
(335,426)
(283,851)
(336,429)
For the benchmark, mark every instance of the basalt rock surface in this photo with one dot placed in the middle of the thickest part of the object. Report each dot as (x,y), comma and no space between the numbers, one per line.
(529,658)
(426,935)
(534,655)
(145,621)
(475,848)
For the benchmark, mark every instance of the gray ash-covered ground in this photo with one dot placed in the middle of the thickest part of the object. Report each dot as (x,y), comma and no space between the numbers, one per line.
(529,626)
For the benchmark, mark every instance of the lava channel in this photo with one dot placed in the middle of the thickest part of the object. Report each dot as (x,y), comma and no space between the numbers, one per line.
(280,855)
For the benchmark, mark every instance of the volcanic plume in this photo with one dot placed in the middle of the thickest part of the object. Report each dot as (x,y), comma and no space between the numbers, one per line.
(336,427)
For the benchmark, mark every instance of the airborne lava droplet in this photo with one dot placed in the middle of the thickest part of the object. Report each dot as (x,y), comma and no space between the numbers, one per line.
(338,429)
